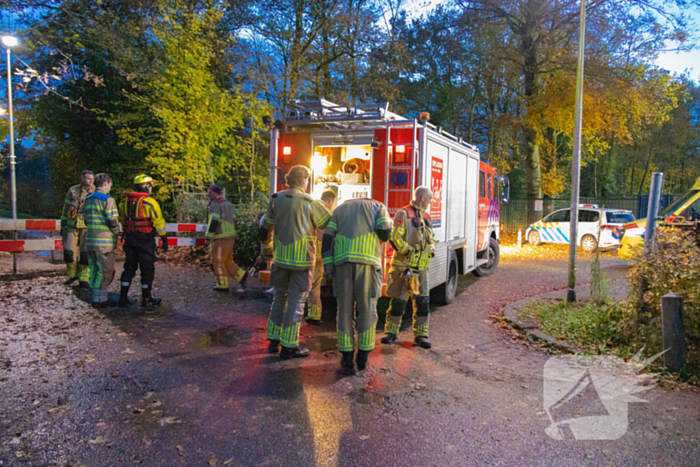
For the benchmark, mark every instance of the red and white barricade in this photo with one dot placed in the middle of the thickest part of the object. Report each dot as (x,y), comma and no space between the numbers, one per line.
(49,244)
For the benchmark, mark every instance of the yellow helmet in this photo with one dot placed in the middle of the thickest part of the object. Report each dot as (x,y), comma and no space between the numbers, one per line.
(143,179)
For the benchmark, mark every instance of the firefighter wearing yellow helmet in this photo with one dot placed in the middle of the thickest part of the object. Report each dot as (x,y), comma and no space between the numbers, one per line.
(296,216)
(142,220)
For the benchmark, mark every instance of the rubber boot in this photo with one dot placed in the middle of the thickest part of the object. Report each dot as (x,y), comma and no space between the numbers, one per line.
(347,366)
(422,341)
(70,281)
(362,356)
(273,346)
(389,338)
(84,284)
(293,352)
(123,297)
(148,301)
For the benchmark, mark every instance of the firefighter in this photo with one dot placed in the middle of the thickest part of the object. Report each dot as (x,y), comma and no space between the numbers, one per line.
(221,232)
(142,221)
(313,302)
(102,221)
(414,246)
(352,255)
(74,231)
(297,216)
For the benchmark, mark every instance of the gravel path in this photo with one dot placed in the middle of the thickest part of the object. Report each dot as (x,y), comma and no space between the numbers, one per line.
(195,386)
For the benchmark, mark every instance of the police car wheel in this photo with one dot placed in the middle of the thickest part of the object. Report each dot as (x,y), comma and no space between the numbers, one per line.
(534,238)
(589,243)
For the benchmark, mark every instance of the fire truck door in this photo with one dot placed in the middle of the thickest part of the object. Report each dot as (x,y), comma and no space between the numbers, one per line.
(484,202)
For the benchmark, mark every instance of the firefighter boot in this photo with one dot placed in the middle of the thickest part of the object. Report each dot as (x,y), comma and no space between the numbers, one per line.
(422,341)
(70,281)
(389,338)
(124,296)
(273,346)
(148,301)
(362,356)
(84,284)
(347,366)
(293,352)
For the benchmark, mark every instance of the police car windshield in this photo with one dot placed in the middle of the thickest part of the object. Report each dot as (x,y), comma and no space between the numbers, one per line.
(667,211)
(619,217)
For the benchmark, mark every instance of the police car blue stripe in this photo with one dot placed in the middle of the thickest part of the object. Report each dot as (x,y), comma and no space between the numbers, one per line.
(566,239)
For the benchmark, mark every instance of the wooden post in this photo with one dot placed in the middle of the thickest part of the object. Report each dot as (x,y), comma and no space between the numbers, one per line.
(673,331)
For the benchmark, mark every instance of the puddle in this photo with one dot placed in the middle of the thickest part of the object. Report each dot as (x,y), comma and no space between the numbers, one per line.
(321,344)
(363,396)
(222,337)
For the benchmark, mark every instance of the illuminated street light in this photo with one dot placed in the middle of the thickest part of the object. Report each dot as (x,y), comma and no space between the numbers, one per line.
(10,42)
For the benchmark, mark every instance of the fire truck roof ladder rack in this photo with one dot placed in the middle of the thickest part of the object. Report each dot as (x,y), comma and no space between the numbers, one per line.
(324,112)
(458,140)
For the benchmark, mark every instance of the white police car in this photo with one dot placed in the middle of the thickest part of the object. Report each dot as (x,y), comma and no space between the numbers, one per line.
(555,227)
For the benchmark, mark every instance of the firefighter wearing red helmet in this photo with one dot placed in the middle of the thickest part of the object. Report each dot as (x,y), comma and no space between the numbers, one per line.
(292,218)
(142,220)
(414,244)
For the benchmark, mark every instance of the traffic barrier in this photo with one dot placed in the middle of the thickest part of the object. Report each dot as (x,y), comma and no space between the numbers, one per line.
(51,225)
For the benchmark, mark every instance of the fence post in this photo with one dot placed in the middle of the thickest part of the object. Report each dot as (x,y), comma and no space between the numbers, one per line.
(673,331)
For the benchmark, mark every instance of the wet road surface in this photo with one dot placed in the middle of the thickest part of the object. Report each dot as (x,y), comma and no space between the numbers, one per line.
(194,385)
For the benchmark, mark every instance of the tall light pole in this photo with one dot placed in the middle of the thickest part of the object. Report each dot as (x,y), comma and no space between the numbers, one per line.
(9,42)
(576,164)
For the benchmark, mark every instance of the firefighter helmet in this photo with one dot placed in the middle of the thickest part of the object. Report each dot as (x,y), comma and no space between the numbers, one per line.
(143,179)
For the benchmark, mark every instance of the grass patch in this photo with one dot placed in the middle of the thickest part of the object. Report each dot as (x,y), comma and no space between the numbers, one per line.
(591,327)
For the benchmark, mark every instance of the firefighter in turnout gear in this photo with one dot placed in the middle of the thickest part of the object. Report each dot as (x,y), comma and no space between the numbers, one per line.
(414,246)
(142,221)
(352,255)
(313,301)
(296,216)
(221,231)
(74,230)
(102,221)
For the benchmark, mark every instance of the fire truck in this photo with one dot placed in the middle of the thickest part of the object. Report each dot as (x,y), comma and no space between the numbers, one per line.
(366,151)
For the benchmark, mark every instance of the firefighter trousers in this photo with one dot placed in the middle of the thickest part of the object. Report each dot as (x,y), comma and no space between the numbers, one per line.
(313,302)
(291,288)
(101,273)
(139,257)
(402,289)
(75,256)
(222,261)
(357,288)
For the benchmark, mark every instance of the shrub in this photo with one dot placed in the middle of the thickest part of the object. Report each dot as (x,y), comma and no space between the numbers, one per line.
(672,266)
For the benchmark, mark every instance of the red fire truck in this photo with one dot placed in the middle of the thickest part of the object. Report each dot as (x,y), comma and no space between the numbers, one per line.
(366,151)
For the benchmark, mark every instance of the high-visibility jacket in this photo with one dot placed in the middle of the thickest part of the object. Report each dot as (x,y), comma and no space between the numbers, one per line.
(141,217)
(412,238)
(293,216)
(351,233)
(222,223)
(72,215)
(102,221)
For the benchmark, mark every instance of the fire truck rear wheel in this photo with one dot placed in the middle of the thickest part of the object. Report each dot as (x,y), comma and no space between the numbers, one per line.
(447,291)
(494,256)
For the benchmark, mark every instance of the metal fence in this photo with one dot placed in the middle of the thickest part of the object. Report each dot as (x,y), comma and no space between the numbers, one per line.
(519,213)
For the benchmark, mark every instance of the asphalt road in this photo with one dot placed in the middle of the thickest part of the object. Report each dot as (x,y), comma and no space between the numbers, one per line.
(195,385)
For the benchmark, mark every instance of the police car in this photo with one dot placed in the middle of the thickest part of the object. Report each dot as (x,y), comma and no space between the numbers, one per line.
(555,227)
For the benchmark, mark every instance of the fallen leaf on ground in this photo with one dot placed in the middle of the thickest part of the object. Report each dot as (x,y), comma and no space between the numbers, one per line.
(168,421)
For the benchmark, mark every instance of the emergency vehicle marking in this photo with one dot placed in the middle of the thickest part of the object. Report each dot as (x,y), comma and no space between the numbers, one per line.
(551,231)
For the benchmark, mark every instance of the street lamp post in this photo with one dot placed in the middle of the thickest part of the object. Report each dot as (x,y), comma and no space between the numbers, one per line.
(9,42)
(576,163)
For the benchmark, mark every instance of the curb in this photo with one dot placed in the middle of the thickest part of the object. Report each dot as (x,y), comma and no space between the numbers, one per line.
(510,314)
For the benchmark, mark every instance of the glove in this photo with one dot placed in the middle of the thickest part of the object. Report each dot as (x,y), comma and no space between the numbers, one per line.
(165,247)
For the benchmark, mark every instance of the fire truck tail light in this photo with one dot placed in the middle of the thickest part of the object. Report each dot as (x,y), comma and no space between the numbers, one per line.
(401,148)
(287,150)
